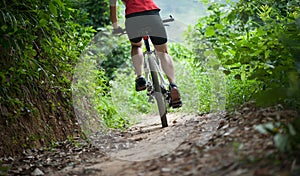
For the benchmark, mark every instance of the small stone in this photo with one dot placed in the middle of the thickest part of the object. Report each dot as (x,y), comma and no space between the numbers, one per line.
(37,171)
(166,169)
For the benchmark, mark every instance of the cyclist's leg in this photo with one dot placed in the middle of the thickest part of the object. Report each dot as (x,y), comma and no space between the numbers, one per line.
(168,67)
(138,63)
(137,57)
(166,61)
(133,28)
(167,64)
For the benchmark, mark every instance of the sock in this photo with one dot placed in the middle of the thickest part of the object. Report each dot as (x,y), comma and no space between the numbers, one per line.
(173,85)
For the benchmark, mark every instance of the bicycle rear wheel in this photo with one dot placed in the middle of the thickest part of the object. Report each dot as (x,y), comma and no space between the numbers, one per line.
(159,96)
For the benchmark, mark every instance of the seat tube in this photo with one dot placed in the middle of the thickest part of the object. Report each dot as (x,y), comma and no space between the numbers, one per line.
(146,41)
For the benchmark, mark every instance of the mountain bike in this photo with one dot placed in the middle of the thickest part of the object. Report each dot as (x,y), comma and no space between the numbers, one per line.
(156,82)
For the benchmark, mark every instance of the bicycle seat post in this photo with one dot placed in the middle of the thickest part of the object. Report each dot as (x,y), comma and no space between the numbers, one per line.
(146,41)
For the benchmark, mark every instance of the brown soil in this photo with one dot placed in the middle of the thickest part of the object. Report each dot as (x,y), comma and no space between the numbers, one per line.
(211,144)
(39,121)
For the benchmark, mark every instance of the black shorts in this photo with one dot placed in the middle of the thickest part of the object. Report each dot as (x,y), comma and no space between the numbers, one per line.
(146,23)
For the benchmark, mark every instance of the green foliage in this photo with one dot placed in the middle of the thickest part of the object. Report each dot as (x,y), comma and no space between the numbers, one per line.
(92,12)
(250,40)
(129,103)
(239,92)
(193,82)
(118,57)
(111,54)
(38,49)
(41,49)
(257,46)
(101,60)
(40,45)
(105,108)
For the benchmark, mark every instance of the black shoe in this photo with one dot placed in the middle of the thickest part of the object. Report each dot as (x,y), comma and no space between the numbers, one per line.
(140,84)
(175,100)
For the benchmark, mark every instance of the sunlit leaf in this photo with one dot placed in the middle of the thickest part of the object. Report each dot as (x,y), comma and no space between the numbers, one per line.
(61,5)
(205,1)
(219,26)
(210,31)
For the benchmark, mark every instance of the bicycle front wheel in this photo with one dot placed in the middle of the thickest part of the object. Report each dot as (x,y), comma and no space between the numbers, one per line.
(159,96)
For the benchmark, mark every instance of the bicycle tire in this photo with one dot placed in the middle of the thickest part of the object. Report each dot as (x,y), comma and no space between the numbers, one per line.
(160,99)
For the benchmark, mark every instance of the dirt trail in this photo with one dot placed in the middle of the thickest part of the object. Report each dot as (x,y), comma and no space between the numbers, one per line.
(150,141)
(210,145)
(154,141)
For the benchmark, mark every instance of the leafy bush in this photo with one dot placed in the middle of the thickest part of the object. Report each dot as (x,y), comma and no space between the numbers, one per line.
(247,40)
(118,57)
(40,44)
(92,12)
(193,81)
(256,44)
(38,50)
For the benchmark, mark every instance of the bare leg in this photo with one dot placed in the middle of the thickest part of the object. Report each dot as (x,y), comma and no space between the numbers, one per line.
(137,58)
(166,61)
(168,67)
